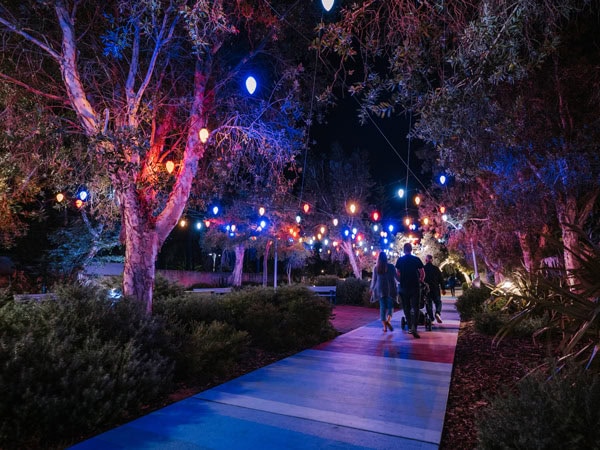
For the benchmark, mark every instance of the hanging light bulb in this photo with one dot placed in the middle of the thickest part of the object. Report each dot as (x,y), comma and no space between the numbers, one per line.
(170,166)
(203,134)
(327,4)
(417,200)
(251,84)
(60,197)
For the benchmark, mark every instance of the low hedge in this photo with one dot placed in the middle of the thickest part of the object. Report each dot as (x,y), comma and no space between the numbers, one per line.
(81,363)
(74,365)
(544,413)
(471,301)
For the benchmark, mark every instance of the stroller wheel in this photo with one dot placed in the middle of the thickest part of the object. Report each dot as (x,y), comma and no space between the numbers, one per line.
(403,323)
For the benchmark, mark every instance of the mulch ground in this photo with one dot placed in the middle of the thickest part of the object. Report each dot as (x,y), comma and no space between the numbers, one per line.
(481,370)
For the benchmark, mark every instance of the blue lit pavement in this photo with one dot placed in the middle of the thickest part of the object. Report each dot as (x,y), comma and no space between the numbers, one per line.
(364,389)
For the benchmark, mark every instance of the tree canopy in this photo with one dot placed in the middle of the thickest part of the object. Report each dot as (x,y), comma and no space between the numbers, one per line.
(497,89)
(141,79)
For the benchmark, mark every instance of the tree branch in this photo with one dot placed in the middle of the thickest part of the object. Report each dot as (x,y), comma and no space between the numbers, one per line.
(12,27)
(31,89)
(70,73)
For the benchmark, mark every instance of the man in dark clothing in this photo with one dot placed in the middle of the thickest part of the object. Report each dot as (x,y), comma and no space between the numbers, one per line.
(411,275)
(433,277)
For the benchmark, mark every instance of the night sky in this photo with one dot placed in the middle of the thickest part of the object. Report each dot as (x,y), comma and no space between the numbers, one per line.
(387,165)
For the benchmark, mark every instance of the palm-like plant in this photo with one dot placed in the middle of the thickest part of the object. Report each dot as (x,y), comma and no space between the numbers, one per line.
(568,300)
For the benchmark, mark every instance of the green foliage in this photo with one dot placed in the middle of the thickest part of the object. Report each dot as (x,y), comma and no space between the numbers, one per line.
(325,280)
(290,318)
(164,288)
(471,301)
(567,301)
(79,363)
(210,349)
(191,308)
(493,322)
(6,296)
(489,322)
(352,291)
(76,244)
(75,364)
(544,414)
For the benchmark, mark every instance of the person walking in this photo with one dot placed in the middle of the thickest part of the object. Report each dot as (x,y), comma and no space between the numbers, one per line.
(452,284)
(411,273)
(383,287)
(433,277)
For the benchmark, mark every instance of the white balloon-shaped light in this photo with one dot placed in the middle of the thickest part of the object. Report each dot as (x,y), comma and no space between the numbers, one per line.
(327,4)
(251,84)
(203,134)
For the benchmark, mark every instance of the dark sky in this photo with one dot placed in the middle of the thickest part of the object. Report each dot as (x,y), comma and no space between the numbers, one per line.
(386,161)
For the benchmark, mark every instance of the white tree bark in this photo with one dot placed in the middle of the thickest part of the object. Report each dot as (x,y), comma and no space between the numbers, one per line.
(143,234)
(240,249)
(346,246)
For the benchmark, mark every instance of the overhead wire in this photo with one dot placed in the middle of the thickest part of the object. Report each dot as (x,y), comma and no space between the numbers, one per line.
(318,56)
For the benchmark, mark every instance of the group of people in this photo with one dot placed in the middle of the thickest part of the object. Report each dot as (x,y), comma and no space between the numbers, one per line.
(409,274)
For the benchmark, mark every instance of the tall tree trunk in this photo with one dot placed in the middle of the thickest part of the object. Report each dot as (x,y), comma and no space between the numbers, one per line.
(572,212)
(288,269)
(266,263)
(141,249)
(349,250)
(239,265)
(567,218)
(525,244)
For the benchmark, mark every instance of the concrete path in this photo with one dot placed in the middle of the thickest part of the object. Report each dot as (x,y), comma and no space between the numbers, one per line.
(364,389)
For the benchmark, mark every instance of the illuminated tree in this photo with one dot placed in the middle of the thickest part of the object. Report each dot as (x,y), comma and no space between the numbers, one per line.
(339,187)
(141,79)
(497,89)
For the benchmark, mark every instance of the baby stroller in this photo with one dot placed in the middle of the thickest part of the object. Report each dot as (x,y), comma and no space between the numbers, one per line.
(423,318)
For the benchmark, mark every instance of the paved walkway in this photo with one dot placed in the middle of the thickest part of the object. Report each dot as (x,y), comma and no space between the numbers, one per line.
(363,390)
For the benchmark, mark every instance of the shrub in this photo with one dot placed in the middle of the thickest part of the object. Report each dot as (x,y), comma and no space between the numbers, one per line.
(164,288)
(352,291)
(325,280)
(283,320)
(471,301)
(560,412)
(6,296)
(190,308)
(306,318)
(210,349)
(72,365)
(490,321)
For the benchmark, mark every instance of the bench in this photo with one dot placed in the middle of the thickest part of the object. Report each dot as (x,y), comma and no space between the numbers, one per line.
(325,291)
(216,291)
(36,297)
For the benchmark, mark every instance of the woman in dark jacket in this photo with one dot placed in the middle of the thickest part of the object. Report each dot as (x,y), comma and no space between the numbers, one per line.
(383,288)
